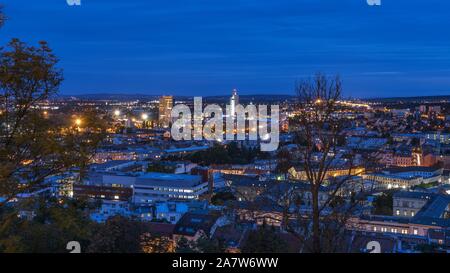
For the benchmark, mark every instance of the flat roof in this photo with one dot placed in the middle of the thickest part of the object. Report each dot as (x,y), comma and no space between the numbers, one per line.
(412,169)
(414,195)
(166,179)
(111,163)
(187,149)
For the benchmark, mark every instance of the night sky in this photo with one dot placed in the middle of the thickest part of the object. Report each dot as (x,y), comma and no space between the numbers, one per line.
(209,47)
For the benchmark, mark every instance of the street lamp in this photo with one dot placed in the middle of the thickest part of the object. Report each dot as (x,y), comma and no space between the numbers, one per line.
(144,117)
(117,112)
(78,122)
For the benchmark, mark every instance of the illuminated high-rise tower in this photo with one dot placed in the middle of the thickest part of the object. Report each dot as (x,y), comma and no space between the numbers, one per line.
(165,109)
(234,101)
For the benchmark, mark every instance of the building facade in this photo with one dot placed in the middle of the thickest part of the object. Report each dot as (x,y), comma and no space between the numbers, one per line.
(165,110)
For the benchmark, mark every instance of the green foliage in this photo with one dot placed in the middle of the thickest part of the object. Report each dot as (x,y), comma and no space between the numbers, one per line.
(118,235)
(428,248)
(34,145)
(186,246)
(426,185)
(264,240)
(57,222)
(202,245)
(207,245)
(383,205)
(156,244)
(221,197)
(54,225)
(225,154)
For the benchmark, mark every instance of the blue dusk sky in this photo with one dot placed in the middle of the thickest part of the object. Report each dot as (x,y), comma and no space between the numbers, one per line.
(209,47)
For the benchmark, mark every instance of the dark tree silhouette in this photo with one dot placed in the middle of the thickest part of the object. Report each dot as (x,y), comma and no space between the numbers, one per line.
(35,144)
(118,235)
(264,240)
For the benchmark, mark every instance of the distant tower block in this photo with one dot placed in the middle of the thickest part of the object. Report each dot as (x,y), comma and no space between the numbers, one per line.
(129,123)
(234,101)
(165,109)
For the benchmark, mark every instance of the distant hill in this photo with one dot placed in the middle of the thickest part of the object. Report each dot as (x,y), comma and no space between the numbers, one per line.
(110,96)
(249,98)
(243,98)
(143,97)
(431,99)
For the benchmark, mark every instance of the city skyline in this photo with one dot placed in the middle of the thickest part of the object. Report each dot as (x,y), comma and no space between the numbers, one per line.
(241,130)
(260,48)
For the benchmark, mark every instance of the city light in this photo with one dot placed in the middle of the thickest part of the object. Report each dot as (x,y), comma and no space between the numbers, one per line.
(265,137)
(149,152)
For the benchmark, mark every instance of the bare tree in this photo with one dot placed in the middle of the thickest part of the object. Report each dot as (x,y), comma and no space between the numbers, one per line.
(320,125)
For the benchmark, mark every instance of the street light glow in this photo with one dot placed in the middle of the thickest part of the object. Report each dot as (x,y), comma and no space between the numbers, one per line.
(144,116)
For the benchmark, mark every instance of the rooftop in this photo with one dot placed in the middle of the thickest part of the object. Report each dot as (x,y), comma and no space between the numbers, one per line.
(246,181)
(110,164)
(165,179)
(187,149)
(413,195)
(190,223)
(412,169)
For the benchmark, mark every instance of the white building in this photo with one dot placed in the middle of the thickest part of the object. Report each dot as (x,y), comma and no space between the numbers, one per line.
(234,101)
(151,187)
(111,208)
(406,177)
